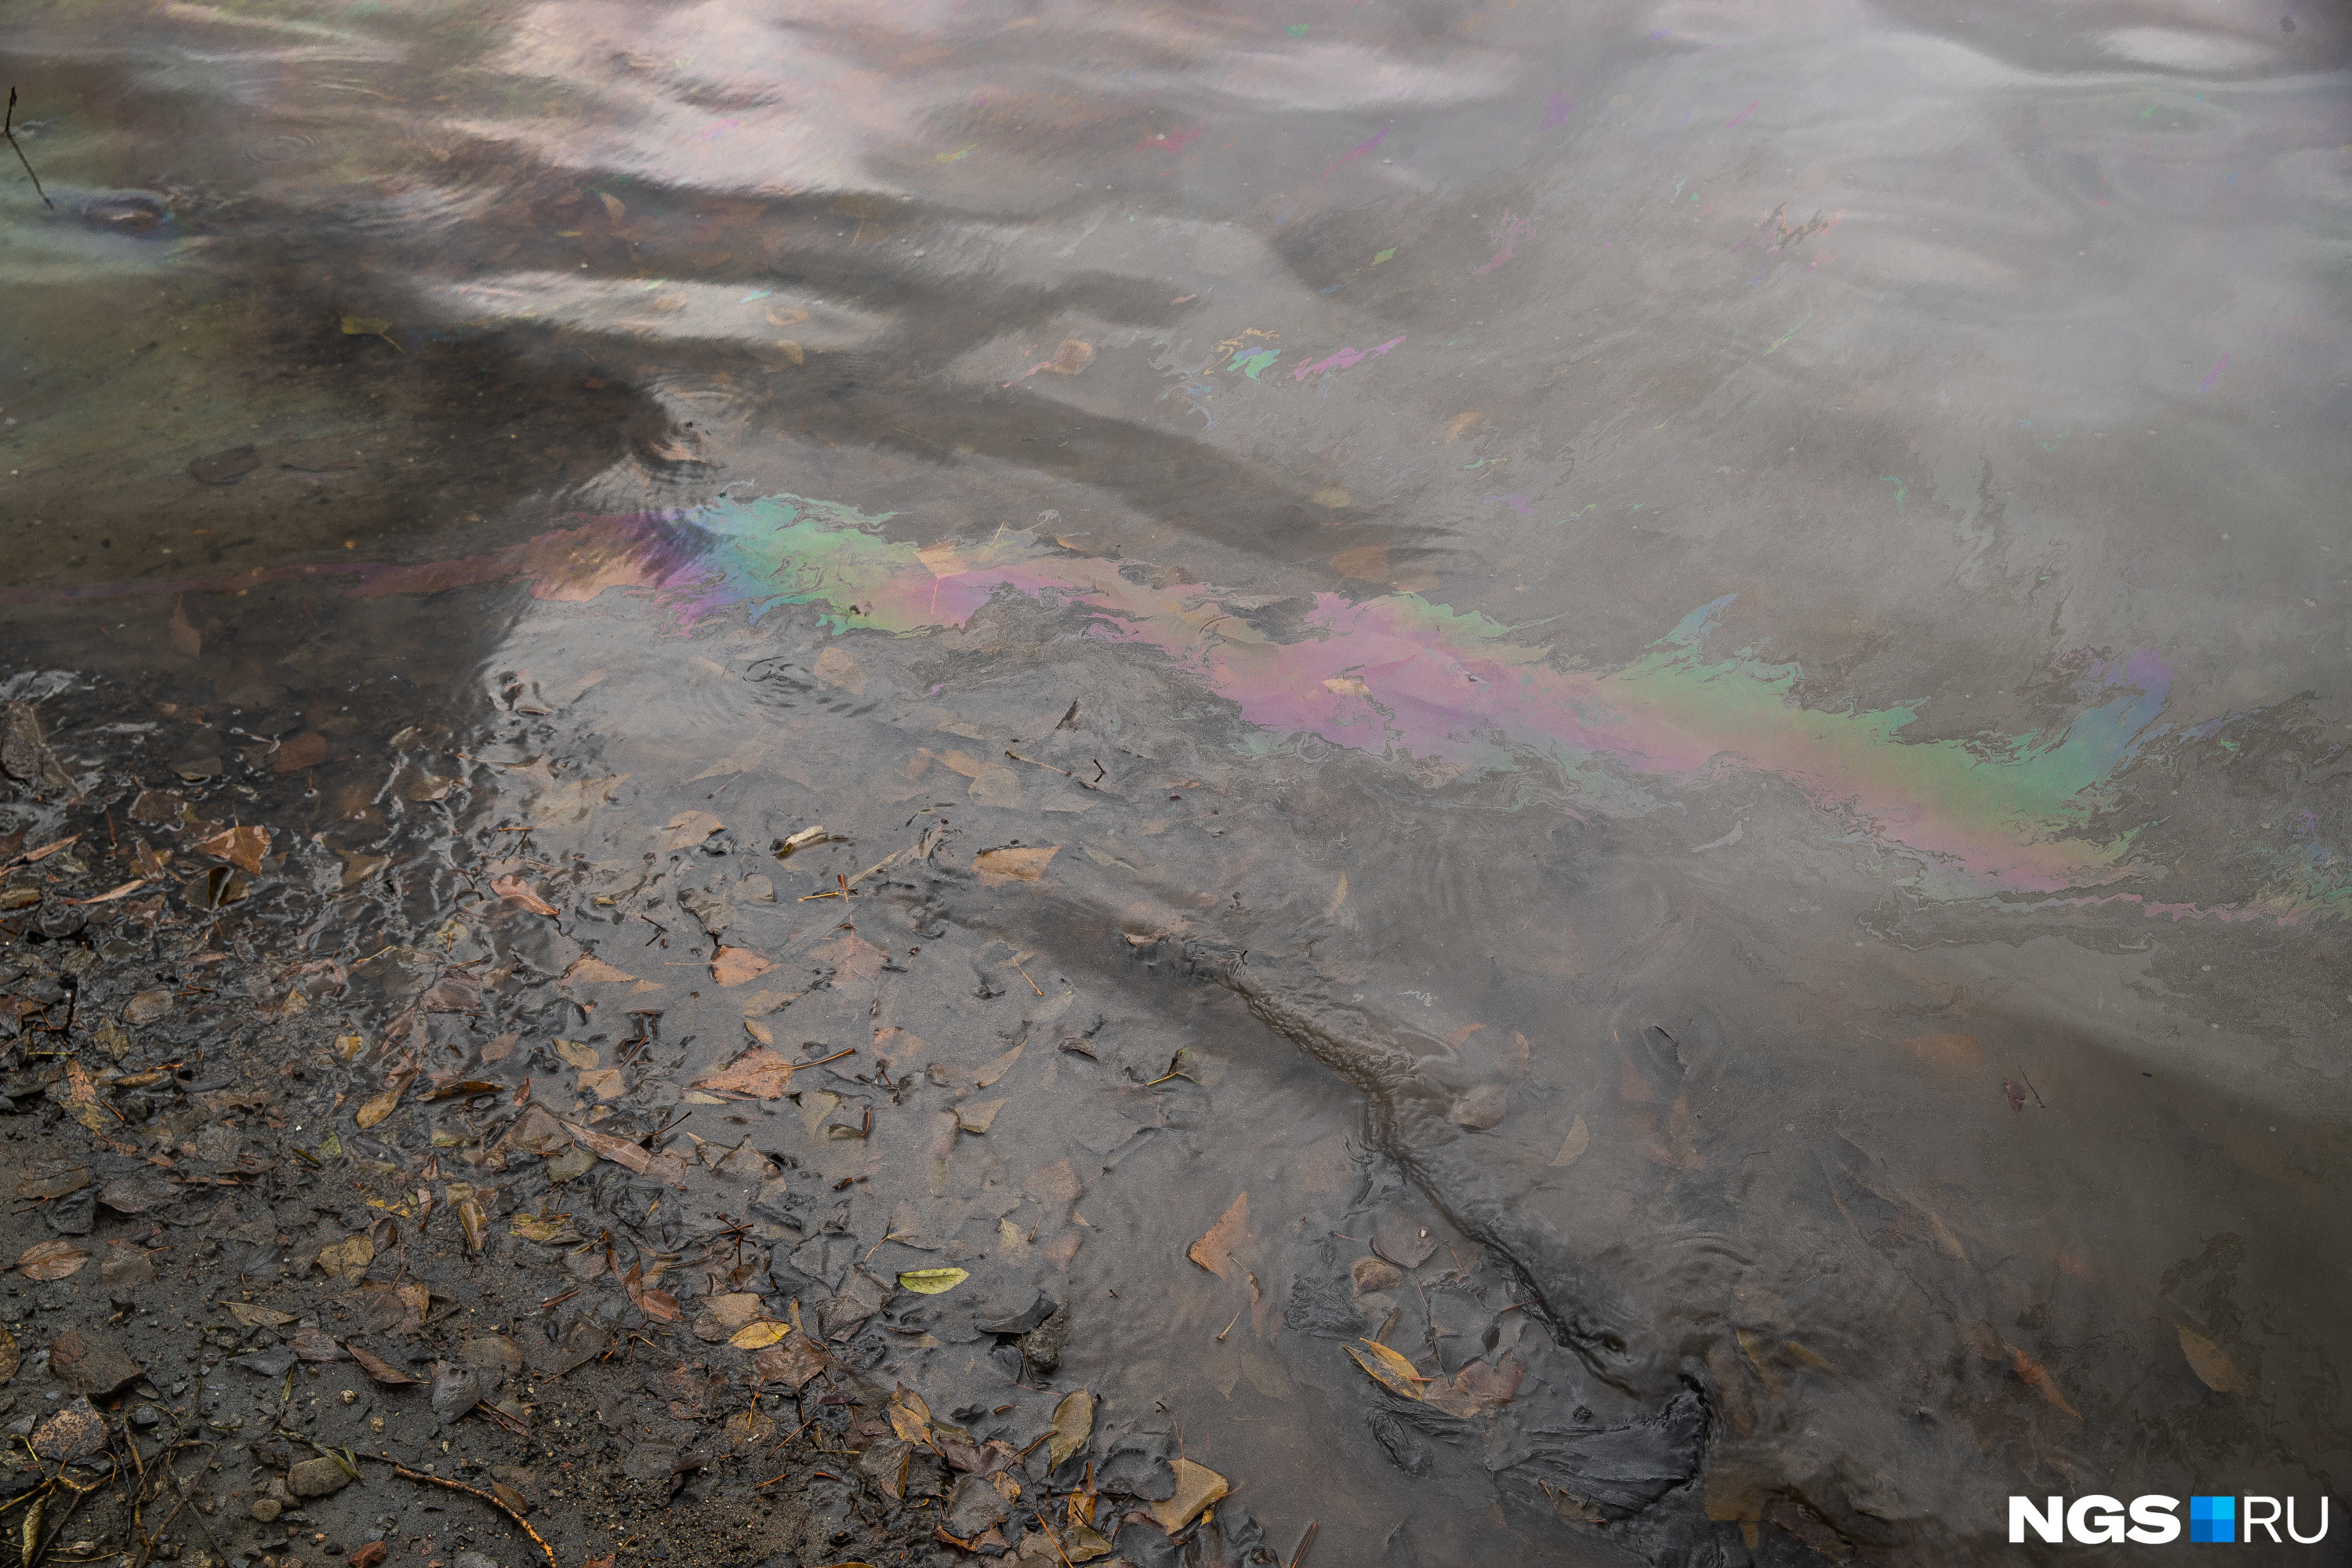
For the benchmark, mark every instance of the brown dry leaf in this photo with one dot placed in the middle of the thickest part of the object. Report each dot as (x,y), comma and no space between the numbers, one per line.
(347,1259)
(1071,356)
(689,828)
(475,1223)
(307,750)
(659,1305)
(1197,1487)
(620,1151)
(792,1363)
(758,1072)
(1220,1250)
(377,1108)
(996,1068)
(1389,1368)
(10,1357)
(737,965)
(383,1371)
(548,1229)
(240,846)
(252,1317)
(2210,1362)
(1019,864)
(47,1261)
(596,971)
(515,890)
(2038,1378)
(316,1344)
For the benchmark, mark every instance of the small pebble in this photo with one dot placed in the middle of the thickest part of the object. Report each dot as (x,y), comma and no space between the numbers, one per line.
(266,1508)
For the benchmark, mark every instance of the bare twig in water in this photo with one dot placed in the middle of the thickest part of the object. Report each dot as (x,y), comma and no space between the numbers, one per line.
(405,1473)
(8,128)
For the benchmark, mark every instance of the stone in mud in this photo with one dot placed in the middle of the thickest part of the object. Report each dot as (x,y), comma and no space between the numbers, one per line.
(1040,1347)
(316,1478)
(91,1365)
(456,1389)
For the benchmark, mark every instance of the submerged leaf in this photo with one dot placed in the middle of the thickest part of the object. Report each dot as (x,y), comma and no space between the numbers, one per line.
(759,1072)
(739,965)
(998,867)
(2210,1362)
(759,1336)
(1389,1368)
(240,846)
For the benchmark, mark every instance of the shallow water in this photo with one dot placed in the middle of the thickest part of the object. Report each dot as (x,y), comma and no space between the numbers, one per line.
(1758,591)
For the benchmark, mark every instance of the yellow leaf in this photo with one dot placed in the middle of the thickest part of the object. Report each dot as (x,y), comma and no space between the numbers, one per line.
(376,1110)
(1387,1368)
(759,1336)
(932,1282)
(366,326)
(550,1229)
(1221,1250)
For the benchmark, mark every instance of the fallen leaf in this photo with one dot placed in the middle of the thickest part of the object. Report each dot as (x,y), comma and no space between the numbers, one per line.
(792,1362)
(836,666)
(579,1053)
(515,890)
(473,1223)
(932,1282)
(978,1118)
(596,971)
(307,750)
(2210,1362)
(737,965)
(1074,1422)
(347,1259)
(549,1229)
(1071,356)
(689,828)
(758,1072)
(383,1371)
(574,802)
(759,1336)
(46,1260)
(620,1151)
(253,1316)
(1197,1487)
(35,1189)
(1020,864)
(316,1344)
(240,846)
(9,1355)
(378,1107)
(1389,1368)
(2038,1378)
(1219,1250)
(1578,1138)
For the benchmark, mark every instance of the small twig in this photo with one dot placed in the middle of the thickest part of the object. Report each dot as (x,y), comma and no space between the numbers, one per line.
(8,128)
(1024,974)
(1298,1553)
(405,1473)
(1229,1326)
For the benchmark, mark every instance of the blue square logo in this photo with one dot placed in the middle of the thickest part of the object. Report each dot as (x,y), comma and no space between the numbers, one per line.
(2212,1519)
